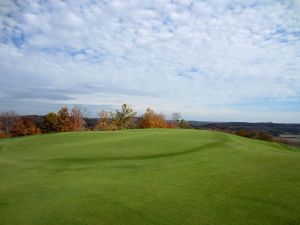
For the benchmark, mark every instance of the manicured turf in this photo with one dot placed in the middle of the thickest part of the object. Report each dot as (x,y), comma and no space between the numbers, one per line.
(168,177)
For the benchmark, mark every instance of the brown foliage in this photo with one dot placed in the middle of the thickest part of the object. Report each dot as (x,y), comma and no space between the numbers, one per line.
(105,121)
(261,135)
(24,127)
(150,119)
(77,120)
(63,120)
(3,135)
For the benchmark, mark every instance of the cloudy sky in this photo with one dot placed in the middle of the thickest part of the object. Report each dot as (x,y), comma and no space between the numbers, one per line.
(214,60)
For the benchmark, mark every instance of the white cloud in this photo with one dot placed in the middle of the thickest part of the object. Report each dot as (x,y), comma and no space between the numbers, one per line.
(181,55)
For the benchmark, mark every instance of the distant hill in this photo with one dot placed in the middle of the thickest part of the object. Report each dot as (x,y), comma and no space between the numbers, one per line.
(274,128)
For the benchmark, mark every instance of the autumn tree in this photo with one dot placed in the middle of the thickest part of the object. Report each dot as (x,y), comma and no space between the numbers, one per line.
(18,129)
(150,119)
(31,127)
(7,121)
(147,120)
(77,119)
(63,120)
(244,133)
(105,121)
(24,127)
(50,123)
(264,135)
(256,134)
(123,118)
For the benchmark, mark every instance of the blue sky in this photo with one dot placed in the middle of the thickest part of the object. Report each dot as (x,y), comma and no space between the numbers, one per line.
(210,60)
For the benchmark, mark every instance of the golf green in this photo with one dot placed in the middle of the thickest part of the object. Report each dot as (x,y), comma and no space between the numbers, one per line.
(151,176)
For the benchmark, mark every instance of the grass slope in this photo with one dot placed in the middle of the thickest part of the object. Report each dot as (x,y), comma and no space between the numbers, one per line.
(148,177)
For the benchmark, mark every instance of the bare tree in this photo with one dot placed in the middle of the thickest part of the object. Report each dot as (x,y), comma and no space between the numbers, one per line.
(175,119)
(8,120)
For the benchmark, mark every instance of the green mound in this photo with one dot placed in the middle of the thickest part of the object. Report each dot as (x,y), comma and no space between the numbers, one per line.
(148,177)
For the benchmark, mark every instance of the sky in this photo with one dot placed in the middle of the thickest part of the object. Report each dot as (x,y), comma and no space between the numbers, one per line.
(214,60)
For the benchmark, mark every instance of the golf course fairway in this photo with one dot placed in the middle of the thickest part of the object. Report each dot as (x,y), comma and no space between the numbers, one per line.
(151,176)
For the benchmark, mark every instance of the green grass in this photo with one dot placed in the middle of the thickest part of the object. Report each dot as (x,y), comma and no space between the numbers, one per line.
(135,177)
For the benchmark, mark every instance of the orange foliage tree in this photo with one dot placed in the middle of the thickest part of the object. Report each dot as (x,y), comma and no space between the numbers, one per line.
(77,120)
(150,119)
(24,127)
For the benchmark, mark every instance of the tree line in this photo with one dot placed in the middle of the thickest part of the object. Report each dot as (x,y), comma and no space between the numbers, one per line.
(74,119)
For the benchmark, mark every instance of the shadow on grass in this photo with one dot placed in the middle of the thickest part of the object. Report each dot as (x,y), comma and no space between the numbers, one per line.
(86,160)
